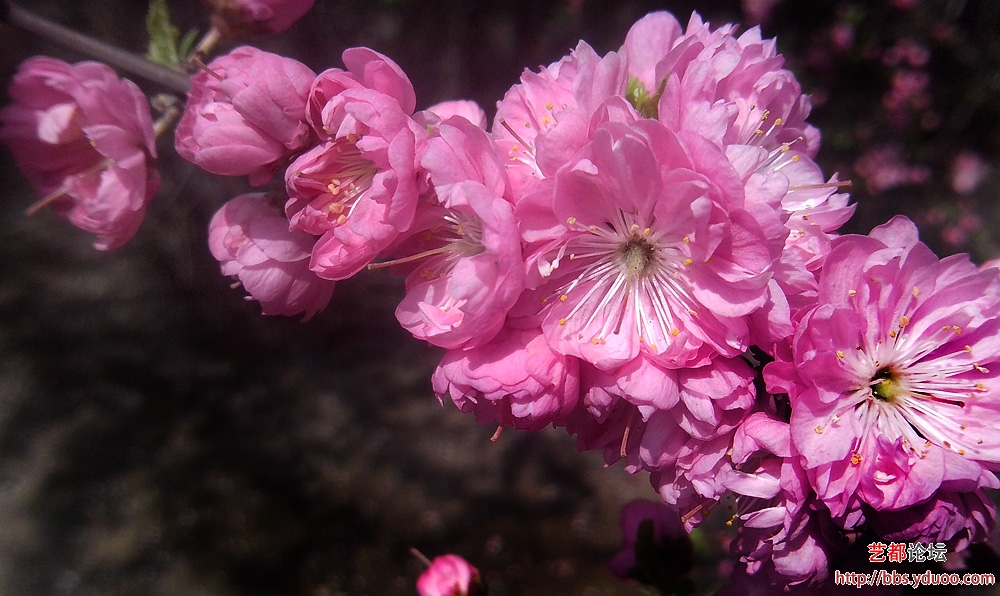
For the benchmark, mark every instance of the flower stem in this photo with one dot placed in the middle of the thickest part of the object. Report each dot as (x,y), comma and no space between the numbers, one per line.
(116,57)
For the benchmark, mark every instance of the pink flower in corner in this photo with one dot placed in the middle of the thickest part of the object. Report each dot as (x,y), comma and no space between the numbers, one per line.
(257,17)
(245,115)
(250,238)
(84,138)
(893,376)
(450,575)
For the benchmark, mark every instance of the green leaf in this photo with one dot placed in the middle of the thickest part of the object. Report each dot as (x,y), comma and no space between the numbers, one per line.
(163,37)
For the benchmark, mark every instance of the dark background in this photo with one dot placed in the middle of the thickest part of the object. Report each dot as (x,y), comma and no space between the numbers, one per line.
(158,436)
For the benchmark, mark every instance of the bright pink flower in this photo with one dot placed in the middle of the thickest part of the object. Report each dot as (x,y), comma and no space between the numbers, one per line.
(450,575)
(514,380)
(650,250)
(250,238)
(84,139)
(893,374)
(245,115)
(257,17)
(471,271)
(359,188)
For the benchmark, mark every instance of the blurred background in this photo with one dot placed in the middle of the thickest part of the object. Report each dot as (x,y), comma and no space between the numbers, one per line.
(158,436)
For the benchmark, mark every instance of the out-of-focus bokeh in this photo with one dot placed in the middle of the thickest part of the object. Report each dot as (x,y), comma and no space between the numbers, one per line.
(158,436)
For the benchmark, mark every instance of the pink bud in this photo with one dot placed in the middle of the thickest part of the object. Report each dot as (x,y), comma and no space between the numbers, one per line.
(450,575)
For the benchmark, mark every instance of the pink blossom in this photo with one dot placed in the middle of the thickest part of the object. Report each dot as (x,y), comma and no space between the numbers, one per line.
(84,139)
(956,519)
(359,188)
(649,250)
(450,575)
(892,374)
(779,522)
(730,89)
(471,270)
(250,238)
(257,17)
(543,120)
(245,115)
(513,380)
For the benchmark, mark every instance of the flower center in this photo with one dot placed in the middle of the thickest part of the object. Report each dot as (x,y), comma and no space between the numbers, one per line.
(885,385)
(635,256)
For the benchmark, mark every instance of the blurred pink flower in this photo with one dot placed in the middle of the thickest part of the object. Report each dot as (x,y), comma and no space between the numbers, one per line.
(245,115)
(884,168)
(256,17)
(250,238)
(450,575)
(84,139)
(967,171)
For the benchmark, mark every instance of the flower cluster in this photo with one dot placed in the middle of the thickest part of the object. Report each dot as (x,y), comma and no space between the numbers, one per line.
(640,249)
(620,254)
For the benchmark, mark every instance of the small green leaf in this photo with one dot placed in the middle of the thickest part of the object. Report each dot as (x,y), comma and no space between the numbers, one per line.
(163,36)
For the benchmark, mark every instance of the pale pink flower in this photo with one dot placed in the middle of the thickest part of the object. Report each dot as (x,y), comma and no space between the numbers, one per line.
(892,375)
(250,238)
(359,188)
(649,250)
(513,380)
(450,575)
(245,115)
(257,17)
(84,139)
(884,168)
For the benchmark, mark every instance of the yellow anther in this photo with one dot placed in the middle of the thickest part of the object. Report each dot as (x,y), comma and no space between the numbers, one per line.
(687,240)
(563,298)
(819,430)
(840,354)
(571,221)
(562,321)
(904,321)
(688,261)
(675,332)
